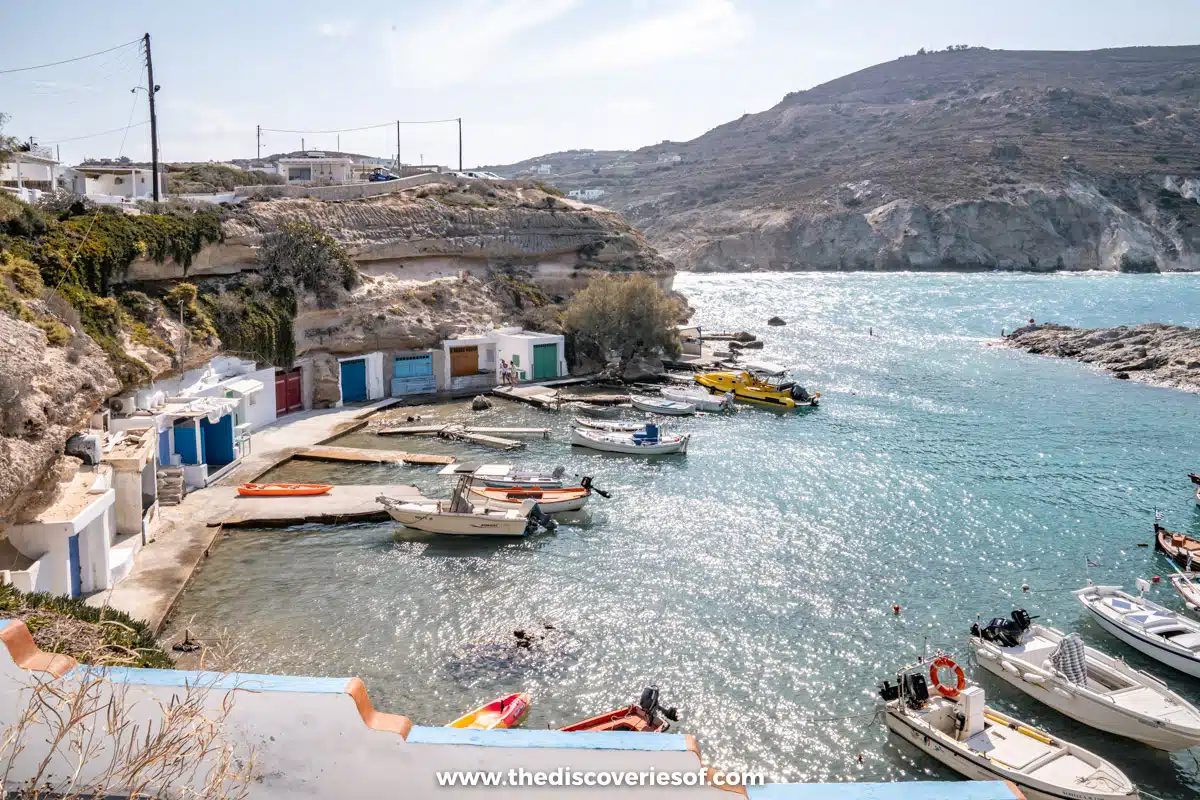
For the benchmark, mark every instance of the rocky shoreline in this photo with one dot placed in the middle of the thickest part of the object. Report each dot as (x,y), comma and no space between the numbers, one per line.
(1153,353)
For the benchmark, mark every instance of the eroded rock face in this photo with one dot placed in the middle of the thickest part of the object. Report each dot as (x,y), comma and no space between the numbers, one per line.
(1032,228)
(1162,355)
(46,394)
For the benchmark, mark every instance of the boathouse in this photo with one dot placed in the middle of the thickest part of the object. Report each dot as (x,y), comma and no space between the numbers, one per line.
(535,356)
(414,372)
(469,363)
(361,378)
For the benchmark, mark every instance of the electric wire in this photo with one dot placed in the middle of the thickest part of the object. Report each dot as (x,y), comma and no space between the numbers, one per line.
(68,60)
(94,135)
(365,127)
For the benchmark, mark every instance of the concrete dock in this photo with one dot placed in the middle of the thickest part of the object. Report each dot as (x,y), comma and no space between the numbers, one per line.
(341,504)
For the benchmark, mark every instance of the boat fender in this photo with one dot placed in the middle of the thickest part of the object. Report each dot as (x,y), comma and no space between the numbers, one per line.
(1033,677)
(988,654)
(1008,667)
(1062,692)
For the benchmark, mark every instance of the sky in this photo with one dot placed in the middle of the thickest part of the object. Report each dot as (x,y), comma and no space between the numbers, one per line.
(527,77)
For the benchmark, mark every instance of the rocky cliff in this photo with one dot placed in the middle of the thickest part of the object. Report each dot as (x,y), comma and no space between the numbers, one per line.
(967,159)
(1162,355)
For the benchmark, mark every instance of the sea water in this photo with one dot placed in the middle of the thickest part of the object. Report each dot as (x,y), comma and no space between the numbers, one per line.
(753,580)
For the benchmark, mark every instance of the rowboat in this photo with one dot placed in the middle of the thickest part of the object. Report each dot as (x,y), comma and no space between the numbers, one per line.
(503,712)
(654,405)
(506,475)
(282,489)
(1196,480)
(1188,589)
(551,501)
(459,517)
(1183,550)
(601,412)
(648,443)
(623,427)
(955,726)
(1156,631)
(701,399)
(644,716)
(1084,683)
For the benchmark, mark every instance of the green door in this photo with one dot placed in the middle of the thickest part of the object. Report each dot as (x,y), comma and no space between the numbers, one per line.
(545,361)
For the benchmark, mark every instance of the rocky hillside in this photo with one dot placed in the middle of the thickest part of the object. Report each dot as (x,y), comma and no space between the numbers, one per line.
(968,159)
(1162,355)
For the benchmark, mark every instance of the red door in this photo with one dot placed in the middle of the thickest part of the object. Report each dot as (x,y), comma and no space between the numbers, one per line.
(287,392)
(294,403)
(280,393)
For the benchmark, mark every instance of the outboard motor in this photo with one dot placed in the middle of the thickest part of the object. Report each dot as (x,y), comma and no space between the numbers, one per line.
(800,394)
(649,702)
(911,685)
(1005,632)
(537,518)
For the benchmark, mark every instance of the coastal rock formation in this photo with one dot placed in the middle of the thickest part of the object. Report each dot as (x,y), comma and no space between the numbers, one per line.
(46,393)
(971,159)
(1162,355)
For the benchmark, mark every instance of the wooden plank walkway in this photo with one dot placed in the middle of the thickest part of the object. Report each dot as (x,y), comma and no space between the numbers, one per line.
(538,396)
(597,399)
(465,433)
(369,456)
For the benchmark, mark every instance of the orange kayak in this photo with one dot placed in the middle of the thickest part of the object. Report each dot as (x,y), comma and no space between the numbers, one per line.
(282,489)
(503,712)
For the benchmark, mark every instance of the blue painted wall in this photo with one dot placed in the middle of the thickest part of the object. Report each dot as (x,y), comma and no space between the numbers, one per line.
(185,443)
(164,447)
(354,381)
(217,441)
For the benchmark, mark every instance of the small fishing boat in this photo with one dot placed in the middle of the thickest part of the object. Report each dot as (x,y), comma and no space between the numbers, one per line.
(647,715)
(1188,589)
(282,489)
(1145,626)
(599,412)
(760,383)
(1084,683)
(645,443)
(1183,550)
(503,712)
(1196,480)
(700,398)
(623,427)
(954,725)
(459,517)
(506,475)
(655,405)
(551,501)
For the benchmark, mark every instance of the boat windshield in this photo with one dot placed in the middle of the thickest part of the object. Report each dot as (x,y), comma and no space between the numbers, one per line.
(769,374)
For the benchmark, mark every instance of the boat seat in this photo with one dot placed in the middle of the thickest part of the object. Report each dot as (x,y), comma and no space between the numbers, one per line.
(1009,746)
(1120,604)
(1189,640)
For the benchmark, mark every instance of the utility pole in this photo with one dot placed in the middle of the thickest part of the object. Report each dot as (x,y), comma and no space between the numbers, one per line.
(339,144)
(459,142)
(302,150)
(397,147)
(258,142)
(151,88)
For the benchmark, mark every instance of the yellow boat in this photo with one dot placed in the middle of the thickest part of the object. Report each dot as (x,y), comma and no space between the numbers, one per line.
(760,383)
(503,712)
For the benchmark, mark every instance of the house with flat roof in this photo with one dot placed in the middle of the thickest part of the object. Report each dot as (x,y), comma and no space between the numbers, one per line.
(315,169)
(28,173)
(115,184)
(535,356)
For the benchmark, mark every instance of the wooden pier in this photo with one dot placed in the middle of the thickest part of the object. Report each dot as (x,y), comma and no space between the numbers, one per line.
(597,399)
(464,433)
(540,396)
(369,456)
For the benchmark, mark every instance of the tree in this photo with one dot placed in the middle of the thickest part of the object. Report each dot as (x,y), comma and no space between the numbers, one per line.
(631,316)
(300,257)
(7,143)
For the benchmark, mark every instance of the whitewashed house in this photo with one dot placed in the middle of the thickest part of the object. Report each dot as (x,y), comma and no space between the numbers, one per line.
(114,184)
(28,173)
(315,169)
(543,169)
(586,195)
(535,356)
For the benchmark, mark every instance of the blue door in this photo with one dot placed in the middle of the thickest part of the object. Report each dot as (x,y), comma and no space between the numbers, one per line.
(216,439)
(74,569)
(354,380)
(413,374)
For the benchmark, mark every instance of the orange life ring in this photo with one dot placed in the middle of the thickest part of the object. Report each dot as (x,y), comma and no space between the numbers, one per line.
(947,691)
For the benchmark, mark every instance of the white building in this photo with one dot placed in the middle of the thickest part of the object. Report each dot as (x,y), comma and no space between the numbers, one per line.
(114,184)
(361,378)
(315,168)
(669,158)
(543,169)
(35,168)
(586,195)
(469,362)
(474,362)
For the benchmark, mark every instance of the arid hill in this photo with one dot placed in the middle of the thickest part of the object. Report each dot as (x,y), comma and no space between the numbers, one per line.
(969,159)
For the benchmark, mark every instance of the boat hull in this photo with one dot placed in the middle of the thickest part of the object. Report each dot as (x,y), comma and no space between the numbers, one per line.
(1164,543)
(612,445)
(501,713)
(702,400)
(1091,711)
(600,412)
(460,524)
(1152,649)
(624,427)
(556,502)
(652,407)
(978,769)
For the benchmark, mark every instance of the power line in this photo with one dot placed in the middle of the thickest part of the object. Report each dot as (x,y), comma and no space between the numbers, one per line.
(367,127)
(69,60)
(94,135)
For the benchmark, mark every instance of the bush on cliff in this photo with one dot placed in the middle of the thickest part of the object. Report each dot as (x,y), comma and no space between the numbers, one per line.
(299,258)
(627,315)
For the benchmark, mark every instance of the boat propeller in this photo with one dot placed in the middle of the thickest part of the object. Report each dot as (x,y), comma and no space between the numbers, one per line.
(586,483)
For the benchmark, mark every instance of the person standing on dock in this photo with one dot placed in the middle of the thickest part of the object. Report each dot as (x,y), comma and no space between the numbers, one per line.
(505,372)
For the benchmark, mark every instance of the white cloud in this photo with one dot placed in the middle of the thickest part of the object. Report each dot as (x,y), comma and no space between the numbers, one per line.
(492,43)
(337,28)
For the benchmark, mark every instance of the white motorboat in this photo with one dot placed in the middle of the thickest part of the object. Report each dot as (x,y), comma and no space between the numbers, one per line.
(1188,588)
(645,443)
(657,405)
(983,744)
(1085,684)
(1156,631)
(458,516)
(506,475)
(701,399)
(623,427)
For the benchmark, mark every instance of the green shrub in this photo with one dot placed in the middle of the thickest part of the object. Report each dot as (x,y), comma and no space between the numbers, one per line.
(57,334)
(299,257)
(630,315)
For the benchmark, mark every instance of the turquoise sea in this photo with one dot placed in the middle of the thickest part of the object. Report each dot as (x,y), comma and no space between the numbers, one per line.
(754,579)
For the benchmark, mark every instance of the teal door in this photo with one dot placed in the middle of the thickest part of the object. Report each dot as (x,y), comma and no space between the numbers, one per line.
(545,361)
(413,374)
(354,381)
